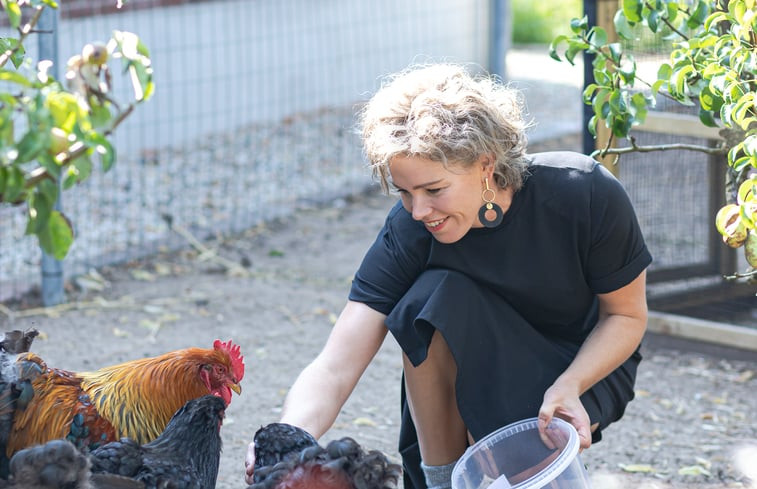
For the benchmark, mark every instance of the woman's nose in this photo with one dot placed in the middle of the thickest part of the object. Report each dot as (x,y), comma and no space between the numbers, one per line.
(420,208)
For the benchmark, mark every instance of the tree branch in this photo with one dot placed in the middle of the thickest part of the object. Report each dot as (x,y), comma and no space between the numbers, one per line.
(667,23)
(635,148)
(76,150)
(23,32)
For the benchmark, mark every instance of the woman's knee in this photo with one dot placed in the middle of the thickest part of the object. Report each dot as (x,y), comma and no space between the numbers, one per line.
(439,366)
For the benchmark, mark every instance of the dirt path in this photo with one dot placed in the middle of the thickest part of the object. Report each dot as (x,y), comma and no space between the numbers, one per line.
(691,410)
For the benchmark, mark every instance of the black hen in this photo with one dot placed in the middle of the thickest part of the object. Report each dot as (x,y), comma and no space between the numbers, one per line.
(184,456)
(276,441)
(342,464)
(55,465)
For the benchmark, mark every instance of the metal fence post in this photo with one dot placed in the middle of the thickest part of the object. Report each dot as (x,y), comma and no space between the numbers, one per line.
(587,140)
(52,269)
(500,39)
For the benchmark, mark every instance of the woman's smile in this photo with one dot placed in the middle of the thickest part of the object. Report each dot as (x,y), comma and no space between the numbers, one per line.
(436,225)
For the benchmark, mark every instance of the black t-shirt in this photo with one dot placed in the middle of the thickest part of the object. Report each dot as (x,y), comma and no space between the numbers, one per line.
(570,233)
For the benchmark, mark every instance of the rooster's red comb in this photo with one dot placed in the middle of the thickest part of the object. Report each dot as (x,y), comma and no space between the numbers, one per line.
(237,360)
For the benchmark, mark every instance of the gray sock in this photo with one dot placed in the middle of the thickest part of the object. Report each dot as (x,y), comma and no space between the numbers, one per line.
(438,476)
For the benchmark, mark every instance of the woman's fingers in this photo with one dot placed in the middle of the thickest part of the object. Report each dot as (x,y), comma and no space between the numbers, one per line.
(249,463)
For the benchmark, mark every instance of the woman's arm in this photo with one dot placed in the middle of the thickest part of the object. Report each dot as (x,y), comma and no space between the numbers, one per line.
(621,326)
(322,388)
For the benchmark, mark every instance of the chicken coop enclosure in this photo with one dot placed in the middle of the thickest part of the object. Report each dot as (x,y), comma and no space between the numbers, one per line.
(676,194)
(253,117)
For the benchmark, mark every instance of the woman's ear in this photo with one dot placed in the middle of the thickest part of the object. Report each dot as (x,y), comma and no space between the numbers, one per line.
(487,164)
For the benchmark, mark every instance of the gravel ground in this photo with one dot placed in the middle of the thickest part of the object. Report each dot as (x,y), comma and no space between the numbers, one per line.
(692,415)
(690,426)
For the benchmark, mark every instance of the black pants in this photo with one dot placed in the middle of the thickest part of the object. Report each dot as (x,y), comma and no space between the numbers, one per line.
(504,365)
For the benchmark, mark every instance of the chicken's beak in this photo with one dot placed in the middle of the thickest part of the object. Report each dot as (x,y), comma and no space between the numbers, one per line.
(236,388)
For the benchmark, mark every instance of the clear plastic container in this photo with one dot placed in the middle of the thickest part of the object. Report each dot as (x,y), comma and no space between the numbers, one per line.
(516,457)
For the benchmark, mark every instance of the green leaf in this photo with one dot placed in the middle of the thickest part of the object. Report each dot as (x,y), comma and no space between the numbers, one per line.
(579,25)
(680,80)
(632,10)
(592,126)
(620,126)
(712,69)
(706,99)
(599,100)
(750,145)
(707,117)
(598,36)
(81,166)
(103,148)
(656,87)
(64,109)
(12,45)
(574,47)
(664,72)
(639,104)
(654,21)
(699,15)
(553,47)
(57,236)
(622,27)
(12,186)
(13,11)
(41,206)
(672,11)
(714,19)
(31,144)
(99,115)
(616,52)
(588,92)
(14,77)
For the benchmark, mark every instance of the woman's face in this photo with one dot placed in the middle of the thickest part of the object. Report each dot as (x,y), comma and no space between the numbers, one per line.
(445,200)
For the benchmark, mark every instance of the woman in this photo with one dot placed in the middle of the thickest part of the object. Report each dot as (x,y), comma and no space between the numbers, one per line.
(514,283)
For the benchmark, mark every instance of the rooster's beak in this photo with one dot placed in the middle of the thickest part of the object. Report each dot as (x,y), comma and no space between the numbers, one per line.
(236,388)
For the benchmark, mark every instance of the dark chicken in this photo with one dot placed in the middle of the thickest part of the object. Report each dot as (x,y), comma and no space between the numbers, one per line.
(342,464)
(185,456)
(135,399)
(55,465)
(58,464)
(277,441)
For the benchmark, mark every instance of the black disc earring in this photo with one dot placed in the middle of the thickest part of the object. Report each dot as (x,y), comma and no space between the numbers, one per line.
(489,205)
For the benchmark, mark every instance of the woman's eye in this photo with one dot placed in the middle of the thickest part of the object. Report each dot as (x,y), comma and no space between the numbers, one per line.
(433,191)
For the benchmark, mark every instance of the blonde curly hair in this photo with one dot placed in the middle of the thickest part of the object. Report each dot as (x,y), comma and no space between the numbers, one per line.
(442,113)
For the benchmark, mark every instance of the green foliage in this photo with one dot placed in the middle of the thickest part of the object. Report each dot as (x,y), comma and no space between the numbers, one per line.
(712,66)
(53,133)
(540,22)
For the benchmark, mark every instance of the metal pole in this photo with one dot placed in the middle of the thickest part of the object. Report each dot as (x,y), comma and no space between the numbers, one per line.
(501,32)
(52,269)
(587,140)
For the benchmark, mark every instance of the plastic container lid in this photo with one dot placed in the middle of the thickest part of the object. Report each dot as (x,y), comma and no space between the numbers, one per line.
(511,450)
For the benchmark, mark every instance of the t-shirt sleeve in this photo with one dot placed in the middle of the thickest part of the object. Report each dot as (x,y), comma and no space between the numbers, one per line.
(618,252)
(392,263)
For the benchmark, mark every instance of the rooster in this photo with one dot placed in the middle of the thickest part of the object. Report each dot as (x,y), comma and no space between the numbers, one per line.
(185,456)
(303,464)
(135,399)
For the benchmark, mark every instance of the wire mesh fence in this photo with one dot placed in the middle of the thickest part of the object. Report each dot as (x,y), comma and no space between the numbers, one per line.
(253,116)
(253,113)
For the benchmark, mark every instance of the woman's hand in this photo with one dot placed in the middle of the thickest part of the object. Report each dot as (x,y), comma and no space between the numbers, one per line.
(562,401)
(249,462)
